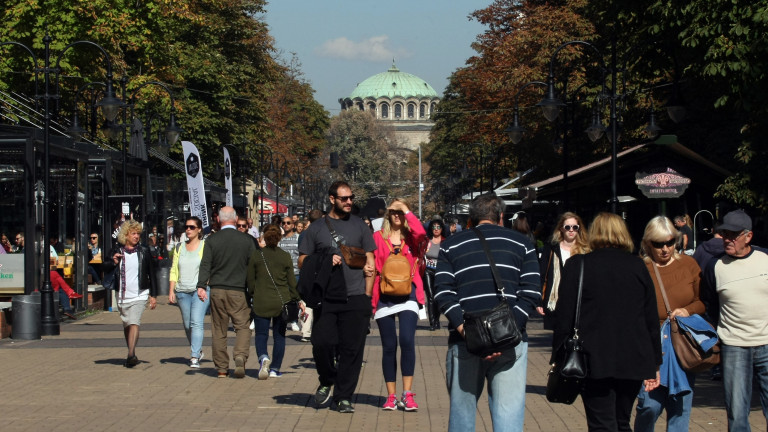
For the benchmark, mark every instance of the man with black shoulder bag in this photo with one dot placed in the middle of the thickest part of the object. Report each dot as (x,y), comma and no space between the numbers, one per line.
(488,273)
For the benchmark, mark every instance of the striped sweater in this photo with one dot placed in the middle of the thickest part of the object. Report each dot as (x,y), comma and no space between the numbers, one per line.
(464,282)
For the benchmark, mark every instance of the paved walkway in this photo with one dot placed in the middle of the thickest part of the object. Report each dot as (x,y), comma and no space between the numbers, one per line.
(76,382)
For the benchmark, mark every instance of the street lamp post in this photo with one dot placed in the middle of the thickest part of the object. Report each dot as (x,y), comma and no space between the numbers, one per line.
(278,170)
(109,105)
(265,156)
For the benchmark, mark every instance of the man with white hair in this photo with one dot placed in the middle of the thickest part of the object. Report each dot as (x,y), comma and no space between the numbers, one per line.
(224,268)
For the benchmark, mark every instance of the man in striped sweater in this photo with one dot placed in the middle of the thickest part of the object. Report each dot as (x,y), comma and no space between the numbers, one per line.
(464,283)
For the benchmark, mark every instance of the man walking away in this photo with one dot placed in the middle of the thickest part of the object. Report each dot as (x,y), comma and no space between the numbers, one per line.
(464,283)
(224,267)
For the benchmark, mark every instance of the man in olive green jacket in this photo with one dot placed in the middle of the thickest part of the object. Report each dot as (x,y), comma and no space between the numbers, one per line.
(224,268)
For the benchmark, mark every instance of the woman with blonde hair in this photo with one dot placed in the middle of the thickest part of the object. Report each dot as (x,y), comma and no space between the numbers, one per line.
(569,238)
(619,325)
(401,233)
(133,267)
(680,275)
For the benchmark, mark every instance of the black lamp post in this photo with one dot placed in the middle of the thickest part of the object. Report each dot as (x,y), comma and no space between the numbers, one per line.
(265,156)
(278,172)
(109,105)
(551,105)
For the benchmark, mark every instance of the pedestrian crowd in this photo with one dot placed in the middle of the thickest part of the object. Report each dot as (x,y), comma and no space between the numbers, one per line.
(330,275)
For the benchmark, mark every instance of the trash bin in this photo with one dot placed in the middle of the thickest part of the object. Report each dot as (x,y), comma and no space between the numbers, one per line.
(26,317)
(163,280)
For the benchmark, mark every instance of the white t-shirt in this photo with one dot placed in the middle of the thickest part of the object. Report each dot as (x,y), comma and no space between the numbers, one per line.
(132,292)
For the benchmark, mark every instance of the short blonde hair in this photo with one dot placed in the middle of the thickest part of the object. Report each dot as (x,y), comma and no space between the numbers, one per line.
(659,229)
(129,226)
(609,231)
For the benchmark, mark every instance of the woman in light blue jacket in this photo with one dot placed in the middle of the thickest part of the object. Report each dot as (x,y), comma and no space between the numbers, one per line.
(184,272)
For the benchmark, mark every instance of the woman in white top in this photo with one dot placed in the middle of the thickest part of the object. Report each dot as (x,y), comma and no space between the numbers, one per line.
(569,238)
(134,283)
(184,272)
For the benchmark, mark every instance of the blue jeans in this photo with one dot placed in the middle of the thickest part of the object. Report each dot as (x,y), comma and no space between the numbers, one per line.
(192,315)
(465,376)
(651,404)
(740,365)
(261,325)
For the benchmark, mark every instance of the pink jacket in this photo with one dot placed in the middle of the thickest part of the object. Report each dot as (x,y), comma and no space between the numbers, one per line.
(410,248)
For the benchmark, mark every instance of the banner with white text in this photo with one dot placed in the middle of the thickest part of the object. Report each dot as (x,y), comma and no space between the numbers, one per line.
(228,176)
(195,186)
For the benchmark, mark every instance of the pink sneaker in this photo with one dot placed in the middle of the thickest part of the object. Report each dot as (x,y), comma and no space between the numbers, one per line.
(408,403)
(391,403)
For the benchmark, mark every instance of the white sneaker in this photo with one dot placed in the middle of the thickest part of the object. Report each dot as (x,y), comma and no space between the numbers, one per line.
(294,326)
(253,325)
(194,363)
(274,374)
(264,369)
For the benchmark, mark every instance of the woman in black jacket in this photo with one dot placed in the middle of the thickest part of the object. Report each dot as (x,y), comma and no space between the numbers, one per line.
(568,239)
(133,269)
(619,324)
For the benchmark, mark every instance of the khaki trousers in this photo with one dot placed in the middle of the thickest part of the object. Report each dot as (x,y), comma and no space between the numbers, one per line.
(226,305)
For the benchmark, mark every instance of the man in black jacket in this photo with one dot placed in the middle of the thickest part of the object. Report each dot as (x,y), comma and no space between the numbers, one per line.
(340,325)
(224,268)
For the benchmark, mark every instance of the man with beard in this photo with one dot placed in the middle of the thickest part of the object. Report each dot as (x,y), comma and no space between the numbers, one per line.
(340,325)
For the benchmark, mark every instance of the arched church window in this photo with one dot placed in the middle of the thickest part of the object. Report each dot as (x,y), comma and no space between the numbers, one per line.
(384,110)
(422,110)
(359,105)
(372,108)
(411,110)
(398,111)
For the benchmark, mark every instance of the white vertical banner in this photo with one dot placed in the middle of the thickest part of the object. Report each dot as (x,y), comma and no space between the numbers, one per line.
(228,176)
(195,186)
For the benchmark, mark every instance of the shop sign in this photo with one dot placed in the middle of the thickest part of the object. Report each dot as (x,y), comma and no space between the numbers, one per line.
(11,272)
(663,183)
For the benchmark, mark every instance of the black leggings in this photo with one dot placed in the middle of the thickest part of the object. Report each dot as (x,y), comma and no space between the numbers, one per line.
(388,332)
(433,312)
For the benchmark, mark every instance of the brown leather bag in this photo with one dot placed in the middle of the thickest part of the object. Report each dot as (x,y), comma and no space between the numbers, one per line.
(353,256)
(690,355)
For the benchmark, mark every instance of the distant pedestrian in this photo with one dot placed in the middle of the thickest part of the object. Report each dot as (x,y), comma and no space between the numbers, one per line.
(224,268)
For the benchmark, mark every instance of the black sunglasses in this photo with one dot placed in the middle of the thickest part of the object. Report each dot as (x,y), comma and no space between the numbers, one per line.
(659,245)
(346,198)
(190,226)
(94,237)
(242,225)
(287,223)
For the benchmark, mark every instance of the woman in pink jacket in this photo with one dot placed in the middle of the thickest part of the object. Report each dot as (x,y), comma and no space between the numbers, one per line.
(401,233)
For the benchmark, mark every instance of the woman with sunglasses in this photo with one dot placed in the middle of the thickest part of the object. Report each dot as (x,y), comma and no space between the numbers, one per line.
(680,275)
(184,272)
(436,234)
(569,238)
(401,232)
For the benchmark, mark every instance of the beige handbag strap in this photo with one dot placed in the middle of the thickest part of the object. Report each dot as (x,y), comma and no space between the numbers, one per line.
(661,285)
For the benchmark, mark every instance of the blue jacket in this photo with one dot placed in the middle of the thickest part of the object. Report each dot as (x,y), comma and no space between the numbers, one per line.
(671,373)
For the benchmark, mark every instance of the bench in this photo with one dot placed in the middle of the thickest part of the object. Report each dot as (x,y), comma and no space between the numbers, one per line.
(96,296)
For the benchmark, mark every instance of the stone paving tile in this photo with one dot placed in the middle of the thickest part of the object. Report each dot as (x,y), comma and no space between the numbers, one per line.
(76,382)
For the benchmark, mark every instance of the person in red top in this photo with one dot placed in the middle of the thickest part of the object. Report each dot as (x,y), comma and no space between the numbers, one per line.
(403,231)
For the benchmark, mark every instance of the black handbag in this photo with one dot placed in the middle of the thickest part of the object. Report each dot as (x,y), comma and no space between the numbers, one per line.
(492,330)
(567,374)
(290,309)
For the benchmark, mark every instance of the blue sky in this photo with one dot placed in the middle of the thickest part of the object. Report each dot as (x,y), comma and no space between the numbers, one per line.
(340,43)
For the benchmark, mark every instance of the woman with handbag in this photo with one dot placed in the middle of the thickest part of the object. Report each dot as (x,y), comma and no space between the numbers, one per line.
(401,233)
(436,234)
(272,286)
(618,327)
(569,238)
(183,288)
(679,276)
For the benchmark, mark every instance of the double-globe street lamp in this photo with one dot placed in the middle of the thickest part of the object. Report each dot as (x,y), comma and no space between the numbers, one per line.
(278,173)
(263,161)
(110,105)
(551,105)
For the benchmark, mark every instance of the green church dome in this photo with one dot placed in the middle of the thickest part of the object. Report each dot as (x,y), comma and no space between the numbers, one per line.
(393,83)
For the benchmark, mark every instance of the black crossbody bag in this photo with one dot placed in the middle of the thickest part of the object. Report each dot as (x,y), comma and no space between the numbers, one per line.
(492,330)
